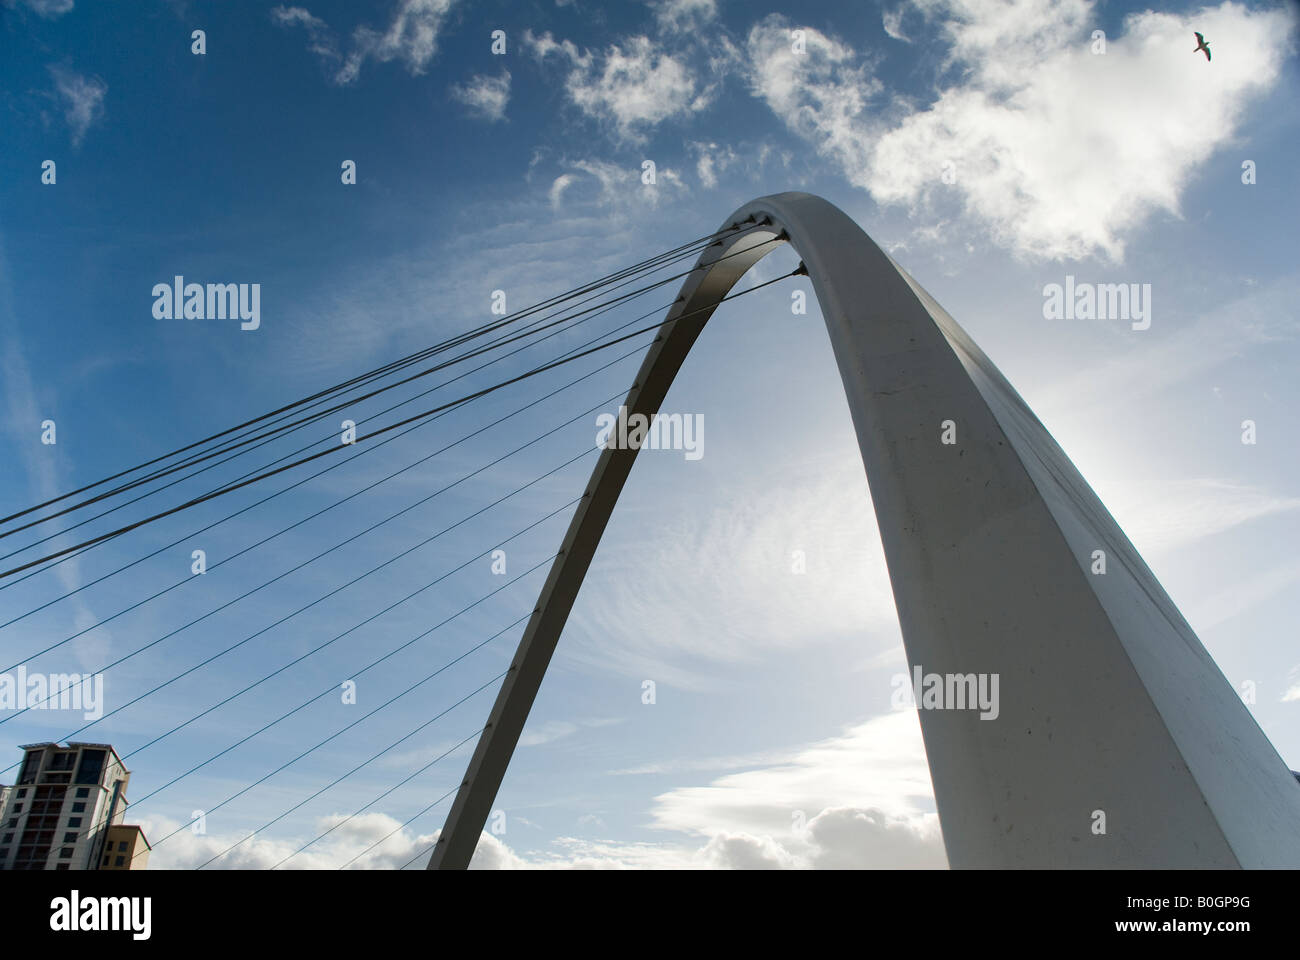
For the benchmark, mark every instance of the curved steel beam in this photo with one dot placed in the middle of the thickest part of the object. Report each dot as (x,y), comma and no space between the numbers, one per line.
(1117,742)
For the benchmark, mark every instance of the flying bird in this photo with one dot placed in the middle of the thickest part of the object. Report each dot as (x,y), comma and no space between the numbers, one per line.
(1202,45)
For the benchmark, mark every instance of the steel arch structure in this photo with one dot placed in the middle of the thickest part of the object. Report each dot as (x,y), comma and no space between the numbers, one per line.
(1118,742)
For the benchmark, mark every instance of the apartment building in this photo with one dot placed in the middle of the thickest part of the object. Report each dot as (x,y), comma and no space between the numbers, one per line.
(66,811)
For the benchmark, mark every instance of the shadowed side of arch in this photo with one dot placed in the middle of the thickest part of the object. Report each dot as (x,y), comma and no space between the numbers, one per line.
(1106,700)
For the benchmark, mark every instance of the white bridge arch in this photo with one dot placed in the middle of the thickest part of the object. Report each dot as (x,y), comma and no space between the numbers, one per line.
(1109,702)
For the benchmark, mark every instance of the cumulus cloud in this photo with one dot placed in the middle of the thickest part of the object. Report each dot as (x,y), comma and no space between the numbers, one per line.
(820,91)
(485,96)
(1058,152)
(369,841)
(858,800)
(183,849)
(878,764)
(83,100)
(633,86)
(861,799)
(410,37)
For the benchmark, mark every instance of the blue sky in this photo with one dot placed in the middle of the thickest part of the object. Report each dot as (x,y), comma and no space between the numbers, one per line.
(772,741)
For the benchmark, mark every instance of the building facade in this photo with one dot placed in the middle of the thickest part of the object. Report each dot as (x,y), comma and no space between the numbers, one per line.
(65,812)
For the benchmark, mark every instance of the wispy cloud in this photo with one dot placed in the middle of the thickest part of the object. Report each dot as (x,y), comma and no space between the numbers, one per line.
(616,188)
(678,15)
(820,90)
(1182,349)
(320,39)
(411,37)
(485,96)
(711,160)
(49,9)
(892,20)
(1293,691)
(726,590)
(83,100)
(1181,513)
(538,735)
(1244,593)
(26,411)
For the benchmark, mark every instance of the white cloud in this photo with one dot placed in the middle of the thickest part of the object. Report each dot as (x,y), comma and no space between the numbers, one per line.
(49,9)
(858,800)
(376,840)
(711,160)
(319,36)
(679,15)
(821,94)
(861,799)
(26,404)
(1186,348)
(83,100)
(1246,594)
(1293,692)
(554,730)
(1181,513)
(892,20)
(720,589)
(1058,151)
(411,37)
(618,188)
(186,850)
(558,186)
(876,765)
(635,86)
(485,96)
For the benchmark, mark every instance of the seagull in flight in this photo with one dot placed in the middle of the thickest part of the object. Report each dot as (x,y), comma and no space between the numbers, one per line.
(1202,45)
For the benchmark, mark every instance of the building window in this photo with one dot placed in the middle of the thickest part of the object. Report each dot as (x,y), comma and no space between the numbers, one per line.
(13,821)
(60,866)
(64,761)
(105,859)
(22,791)
(83,791)
(9,838)
(18,808)
(91,766)
(65,853)
(69,838)
(31,763)
(78,808)
(119,861)
(74,821)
